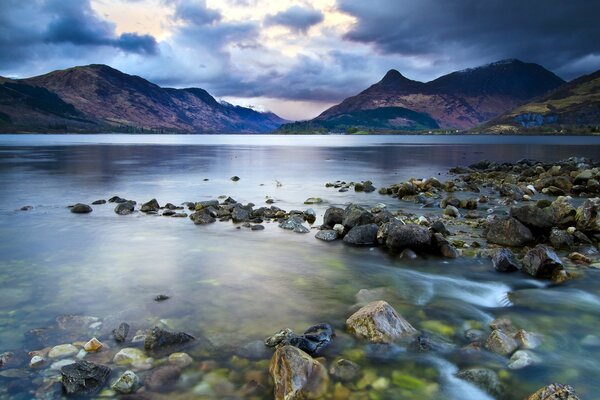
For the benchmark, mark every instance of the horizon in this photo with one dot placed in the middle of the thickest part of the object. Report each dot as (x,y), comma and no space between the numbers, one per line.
(294,59)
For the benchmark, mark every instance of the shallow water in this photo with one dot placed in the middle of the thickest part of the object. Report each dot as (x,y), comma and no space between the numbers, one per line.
(235,285)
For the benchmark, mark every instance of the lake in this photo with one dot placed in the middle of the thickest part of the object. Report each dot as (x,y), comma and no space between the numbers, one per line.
(234,286)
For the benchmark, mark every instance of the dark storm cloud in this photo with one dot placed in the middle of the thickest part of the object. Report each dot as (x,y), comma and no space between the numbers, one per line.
(554,33)
(298,19)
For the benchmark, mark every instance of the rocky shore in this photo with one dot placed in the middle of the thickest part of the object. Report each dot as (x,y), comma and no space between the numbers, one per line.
(528,217)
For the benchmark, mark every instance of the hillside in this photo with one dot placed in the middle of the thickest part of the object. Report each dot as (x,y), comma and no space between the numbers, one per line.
(100,98)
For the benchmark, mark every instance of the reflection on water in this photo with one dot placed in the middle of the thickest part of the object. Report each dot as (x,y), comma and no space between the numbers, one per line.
(234,286)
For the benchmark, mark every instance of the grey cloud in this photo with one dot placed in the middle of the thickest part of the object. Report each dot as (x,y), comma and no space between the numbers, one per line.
(550,32)
(196,13)
(298,19)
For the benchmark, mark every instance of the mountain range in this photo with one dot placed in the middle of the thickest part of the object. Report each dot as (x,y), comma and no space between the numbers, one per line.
(98,98)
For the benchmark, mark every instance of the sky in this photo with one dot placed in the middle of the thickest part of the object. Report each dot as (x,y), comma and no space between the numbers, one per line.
(295,58)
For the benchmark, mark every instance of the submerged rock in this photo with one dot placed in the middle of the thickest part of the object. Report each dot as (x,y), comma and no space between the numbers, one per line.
(362,235)
(127,383)
(120,334)
(163,378)
(504,260)
(484,378)
(555,391)
(541,262)
(297,375)
(81,208)
(159,338)
(345,370)
(508,232)
(313,200)
(125,208)
(500,343)
(84,378)
(63,351)
(522,359)
(313,341)
(378,322)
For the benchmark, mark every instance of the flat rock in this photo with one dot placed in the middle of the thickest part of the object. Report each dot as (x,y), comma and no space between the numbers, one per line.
(84,378)
(63,351)
(158,339)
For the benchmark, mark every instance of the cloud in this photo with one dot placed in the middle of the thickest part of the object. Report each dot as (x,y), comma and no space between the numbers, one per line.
(550,32)
(196,13)
(297,18)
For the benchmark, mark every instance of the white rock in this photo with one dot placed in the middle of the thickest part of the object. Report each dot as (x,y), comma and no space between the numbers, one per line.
(523,358)
(59,364)
(36,361)
(339,228)
(129,355)
(127,383)
(571,230)
(96,325)
(81,355)
(62,351)
(180,359)
(423,221)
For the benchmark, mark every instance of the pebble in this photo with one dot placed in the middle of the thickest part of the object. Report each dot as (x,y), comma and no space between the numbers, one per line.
(93,345)
(180,359)
(36,361)
(127,383)
(62,351)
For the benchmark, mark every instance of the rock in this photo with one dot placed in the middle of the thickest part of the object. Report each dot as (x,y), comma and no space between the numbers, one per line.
(201,205)
(508,232)
(202,217)
(56,366)
(296,375)
(26,208)
(81,208)
(255,350)
(5,358)
(181,360)
(257,228)
(161,297)
(93,345)
(333,216)
(541,262)
(127,383)
(504,260)
(133,357)
(117,199)
(294,223)
(63,351)
(355,215)
(125,208)
(313,200)
(522,359)
(240,213)
(120,334)
(414,237)
(339,228)
(84,378)
(533,217)
(583,176)
(527,340)
(279,337)
(445,248)
(36,361)
(484,378)
(587,216)
(408,254)
(378,322)
(439,227)
(345,370)
(313,341)
(163,378)
(151,206)
(158,339)
(579,258)
(555,391)
(327,235)
(563,212)
(500,343)
(511,191)
(362,235)
(235,178)
(561,239)
(451,211)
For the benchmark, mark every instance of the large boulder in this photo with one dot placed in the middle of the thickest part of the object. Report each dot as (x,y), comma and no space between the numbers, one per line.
(202,217)
(151,206)
(533,216)
(587,216)
(378,322)
(414,237)
(355,215)
(362,235)
(240,213)
(84,378)
(555,391)
(333,216)
(81,208)
(504,260)
(125,208)
(541,262)
(297,375)
(508,232)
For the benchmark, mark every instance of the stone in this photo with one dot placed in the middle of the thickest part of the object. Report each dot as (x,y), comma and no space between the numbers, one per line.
(240,213)
(541,262)
(56,366)
(181,360)
(257,228)
(235,178)
(294,223)
(563,212)
(125,208)
(527,340)
(561,239)
(120,334)
(313,341)
(200,205)
(339,228)
(254,350)
(504,260)
(533,216)
(451,211)
(73,322)
(313,200)
(579,258)
(327,235)
(408,254)
(151,206)
(378,322)
(508,232)
(81,208)
(129,356)
(158,339)
(587,216)
(439,227)
(414,237)
(127,383)
(484,378)
(362,235)
(84,378)
(297,375)
(163,378)
(161,297)
(36,361)
(345,370)
(63,351)
(355,215)
(555,391)
(444,247)
(500,343)
(93,345)
(522,359)
(202,217)
(333,216)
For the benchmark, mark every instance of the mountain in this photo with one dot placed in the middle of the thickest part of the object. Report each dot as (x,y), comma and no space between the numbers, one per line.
(460,100)
(100,98)
(575,106)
